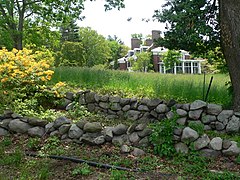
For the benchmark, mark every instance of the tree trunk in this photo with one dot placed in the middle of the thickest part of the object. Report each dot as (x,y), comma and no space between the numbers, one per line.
(230,41)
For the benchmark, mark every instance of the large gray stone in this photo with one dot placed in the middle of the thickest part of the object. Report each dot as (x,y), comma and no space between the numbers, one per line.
(18,126)
(90,97)
(154,103)
(126,108)
(49,127)
(225,115)
(226,144)
(201,142)
(207,119)
(219,126)
(115,106)
(181,112)
(144,142)
(82,100)
(69,95)
(216,143)
(196,114)
(198,104)
(214,109)
(145,132)
(182,121)
(189,135)
(64,128)
(162,108)
(140,127)
(210,153)
(125,149)
(91,107)
(233,150)
(75,132)
(134,138)
(137,152)
(81,123)
(60,121)
(186,107)
(114,99)
(99,140)
(37,122)
(92,127)
(233,125)
(104,105)
(104,98)
(124,101)
(120,140)
(108,133)
(4,123)
(181,148)
(36,131)
(120,129)
(133,115)
(143,108)
(169,115)
(3,132)
(144,101)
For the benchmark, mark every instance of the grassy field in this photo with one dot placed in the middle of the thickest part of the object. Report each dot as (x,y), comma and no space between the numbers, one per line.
(183,88)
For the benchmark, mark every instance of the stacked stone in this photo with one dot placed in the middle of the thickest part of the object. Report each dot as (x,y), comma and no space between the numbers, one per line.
(144,110)
(212,117)
(80,132)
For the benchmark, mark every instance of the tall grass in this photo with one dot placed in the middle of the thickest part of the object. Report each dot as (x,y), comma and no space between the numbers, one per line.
(181,87)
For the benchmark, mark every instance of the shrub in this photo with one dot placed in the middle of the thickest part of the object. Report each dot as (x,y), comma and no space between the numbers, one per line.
(162,137)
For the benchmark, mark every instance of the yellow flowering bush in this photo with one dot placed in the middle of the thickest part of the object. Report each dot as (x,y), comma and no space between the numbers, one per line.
(19,68)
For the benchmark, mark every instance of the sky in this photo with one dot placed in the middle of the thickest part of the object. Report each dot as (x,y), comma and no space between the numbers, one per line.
(115,22)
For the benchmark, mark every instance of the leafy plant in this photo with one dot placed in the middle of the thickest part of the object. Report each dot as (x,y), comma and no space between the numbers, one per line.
(82,169)
(117,175)
(34,143)
(162,137)
(199,127)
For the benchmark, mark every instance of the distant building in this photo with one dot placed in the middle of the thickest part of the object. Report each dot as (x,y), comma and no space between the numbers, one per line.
(186,64)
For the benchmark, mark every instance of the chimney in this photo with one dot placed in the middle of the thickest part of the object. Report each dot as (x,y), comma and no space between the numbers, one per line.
(155,35)
(135,43)
(148,42)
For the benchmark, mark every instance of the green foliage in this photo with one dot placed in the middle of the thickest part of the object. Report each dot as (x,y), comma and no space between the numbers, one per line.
(142,62)
(82,169)
(193,164)
(117,175)
(69,31)
(95,47)
(190,25)
(72,54)
(16,16)
(170,58)
(78,111)
(199,127)
(15,158)
(162,137)
(34,143)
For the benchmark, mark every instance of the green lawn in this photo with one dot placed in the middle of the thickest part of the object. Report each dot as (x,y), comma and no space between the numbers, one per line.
(181,87)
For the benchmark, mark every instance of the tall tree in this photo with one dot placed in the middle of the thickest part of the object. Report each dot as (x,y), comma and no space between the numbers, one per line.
(190,25)
(230,40)
(15,13)
(69,31)
(95,47)
(193,25)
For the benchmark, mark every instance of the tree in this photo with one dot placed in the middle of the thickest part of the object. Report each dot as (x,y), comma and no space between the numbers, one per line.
(118,50)
(230,35)
(170,58)
(190,25)
(14,14)
(95,47)
(142,62)
(195,24)
(69,31)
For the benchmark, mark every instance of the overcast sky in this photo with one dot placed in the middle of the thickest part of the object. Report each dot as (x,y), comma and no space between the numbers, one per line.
(115,22)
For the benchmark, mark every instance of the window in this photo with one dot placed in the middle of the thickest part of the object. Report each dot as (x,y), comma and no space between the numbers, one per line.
(195,67)
(187,67)
(179,68)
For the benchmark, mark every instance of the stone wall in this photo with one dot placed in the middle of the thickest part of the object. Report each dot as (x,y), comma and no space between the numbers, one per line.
(140,112)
